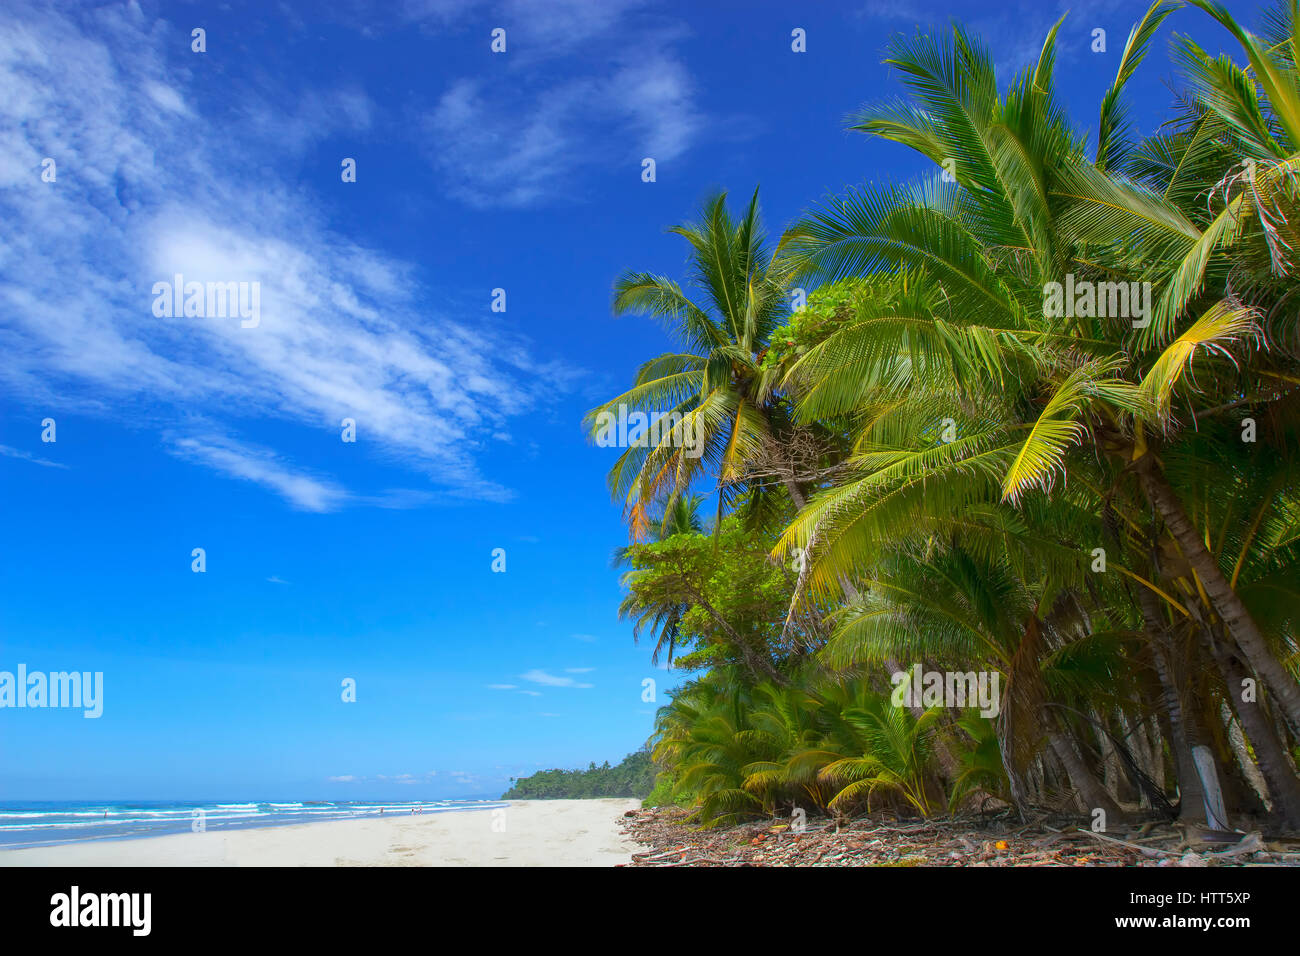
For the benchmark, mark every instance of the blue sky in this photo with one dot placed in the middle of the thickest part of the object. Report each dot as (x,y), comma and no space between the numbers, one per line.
(372,560)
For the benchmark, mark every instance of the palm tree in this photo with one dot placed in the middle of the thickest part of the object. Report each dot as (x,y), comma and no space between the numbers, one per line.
(890,754)
(663,618)
(1025,390)
(715,383)
(702,738)
(1226,266)
(993,446)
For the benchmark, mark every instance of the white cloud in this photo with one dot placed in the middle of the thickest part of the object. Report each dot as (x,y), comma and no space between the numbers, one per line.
(559,26)
(167,98)
(524,134)
(147,186)
(1014,31)
(28,456)
(494,159)
(263,468)
(438,11)
(534,30)
(314,115)
(550,680)
(658,96)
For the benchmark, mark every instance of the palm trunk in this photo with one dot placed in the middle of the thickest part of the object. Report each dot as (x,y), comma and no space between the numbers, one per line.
(1140,747)
(1227,605)
(1112,775)
(796,495)
(797,612)
(1191,795)
(1089,789)
(1241,749)
(1270,757)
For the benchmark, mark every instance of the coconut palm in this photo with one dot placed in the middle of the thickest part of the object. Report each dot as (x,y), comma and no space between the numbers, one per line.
(1064,495)
(663,619)
(1027,389)
(1225,269)
(716,383)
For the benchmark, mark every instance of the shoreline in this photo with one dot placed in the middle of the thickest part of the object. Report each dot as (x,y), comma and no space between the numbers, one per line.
(25,826)
(149,821)
(523,833)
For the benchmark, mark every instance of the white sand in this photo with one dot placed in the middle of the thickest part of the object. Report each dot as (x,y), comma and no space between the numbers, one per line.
(536,833)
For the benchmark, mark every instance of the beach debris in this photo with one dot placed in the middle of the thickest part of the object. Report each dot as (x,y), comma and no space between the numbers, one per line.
(974,839)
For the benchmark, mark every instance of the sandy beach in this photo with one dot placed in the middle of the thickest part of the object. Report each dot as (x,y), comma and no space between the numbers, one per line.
(527,833)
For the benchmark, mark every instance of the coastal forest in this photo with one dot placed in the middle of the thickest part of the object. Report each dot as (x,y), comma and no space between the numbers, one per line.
(980,490)
(633,777)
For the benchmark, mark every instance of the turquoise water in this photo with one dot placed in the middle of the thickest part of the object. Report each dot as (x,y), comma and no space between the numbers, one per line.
(43,823)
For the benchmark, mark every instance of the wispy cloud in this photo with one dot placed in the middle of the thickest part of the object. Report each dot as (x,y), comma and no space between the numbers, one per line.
(550,680)
(407,778)
(524,133)
(399,778)
(902,11)
(28,456)
(1015,30)
(261,467)
(559,27)
(146,189)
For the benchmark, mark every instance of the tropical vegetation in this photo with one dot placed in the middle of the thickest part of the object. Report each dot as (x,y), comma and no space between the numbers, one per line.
(1034,417)
(633,776)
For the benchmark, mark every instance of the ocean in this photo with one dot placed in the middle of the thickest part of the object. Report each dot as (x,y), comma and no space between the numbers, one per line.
(44,823)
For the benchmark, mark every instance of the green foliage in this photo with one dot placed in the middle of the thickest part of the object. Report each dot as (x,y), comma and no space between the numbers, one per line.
(633,777)
(662,794)
(728,599)
(1100,508)
(738,750)
(825,312)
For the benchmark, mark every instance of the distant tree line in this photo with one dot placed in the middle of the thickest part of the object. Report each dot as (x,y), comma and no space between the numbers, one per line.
(634,777)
